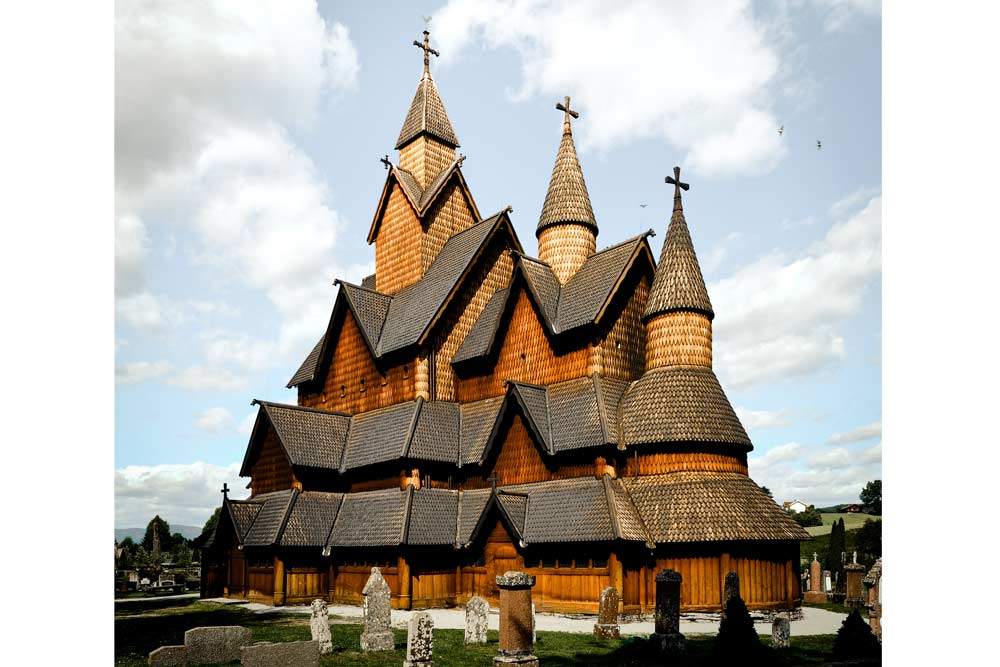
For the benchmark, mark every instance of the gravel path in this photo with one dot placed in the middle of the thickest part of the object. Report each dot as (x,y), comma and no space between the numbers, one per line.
(813,622)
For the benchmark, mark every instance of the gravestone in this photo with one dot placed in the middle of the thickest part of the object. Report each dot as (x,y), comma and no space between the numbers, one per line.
(477,613)
(607,615)
(168,656)
(815,593)
(377,633)
(303,653)
(319,626)
(827,581)
(854,572)
(873,586)
(781,631)
(516,620)
(534,635)
(210,645)
(667,637)
(419,641)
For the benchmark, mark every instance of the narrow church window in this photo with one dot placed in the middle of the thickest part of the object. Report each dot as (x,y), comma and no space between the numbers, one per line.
(600,562)
(343,390)
(362,385)
(385,379)
(549,562)
(406,370)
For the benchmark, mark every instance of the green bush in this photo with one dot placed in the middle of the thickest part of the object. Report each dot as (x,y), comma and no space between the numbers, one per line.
(737,637)
(869,542)
(855,639)
(810,517)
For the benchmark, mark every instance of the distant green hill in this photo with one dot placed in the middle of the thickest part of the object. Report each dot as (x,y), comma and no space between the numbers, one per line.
(851,521)
(190,532)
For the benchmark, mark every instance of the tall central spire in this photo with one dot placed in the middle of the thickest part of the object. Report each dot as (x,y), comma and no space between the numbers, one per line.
(427,115)
(567,230)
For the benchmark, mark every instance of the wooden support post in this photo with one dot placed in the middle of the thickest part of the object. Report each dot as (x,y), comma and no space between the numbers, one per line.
(643,573)
(615,574)
(403,572)
(279,582)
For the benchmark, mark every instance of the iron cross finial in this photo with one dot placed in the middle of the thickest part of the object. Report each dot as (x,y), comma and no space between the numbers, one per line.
(225,490)
(385,160)
(493,479)
(426,46)
(567,111)
(675,181)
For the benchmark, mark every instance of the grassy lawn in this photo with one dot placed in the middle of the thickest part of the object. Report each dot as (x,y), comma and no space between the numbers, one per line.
(137,632)
(851,522)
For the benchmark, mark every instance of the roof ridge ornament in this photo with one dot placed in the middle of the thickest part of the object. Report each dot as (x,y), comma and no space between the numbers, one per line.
(426,46)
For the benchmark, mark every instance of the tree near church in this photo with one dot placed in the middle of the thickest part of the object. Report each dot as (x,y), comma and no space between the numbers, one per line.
(837,546)
(767,491)
(871,497)
(157,538)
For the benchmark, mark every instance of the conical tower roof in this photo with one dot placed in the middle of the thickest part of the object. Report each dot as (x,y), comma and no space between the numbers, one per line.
(427,113)
(678,283)
(567,199)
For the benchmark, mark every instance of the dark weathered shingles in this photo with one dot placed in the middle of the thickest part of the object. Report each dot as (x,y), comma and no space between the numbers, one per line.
(535,402)
(243,513)
(412,310)
(709,507)
(379,435)
(471,506)
(678,283)
(307,369)
(574,416)
(480,338)
(370,519)
(567,199)
(311,438)
(629,522)
(515,506)
(369,308)
(586,292)
(427,114)
(611,392)
(266,527)
(542,282)
(570,510)
(311,519)
(433,517)
(680,403)
(436,437)
(478,420)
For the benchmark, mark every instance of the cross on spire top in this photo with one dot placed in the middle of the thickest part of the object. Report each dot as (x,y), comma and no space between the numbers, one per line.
(675,181)
(426,46)
(493,479)
(567,112)
(225,490)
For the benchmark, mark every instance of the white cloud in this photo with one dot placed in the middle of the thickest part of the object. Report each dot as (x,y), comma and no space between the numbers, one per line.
(778,316)
(872,455)
(840,13)
(762,419)
(140,371)
(834,458)
(148,312)
(775,455)
(131,249)
(619,62)
(216,420)
(866,432)
(242,351)
(204,378)
(182,494)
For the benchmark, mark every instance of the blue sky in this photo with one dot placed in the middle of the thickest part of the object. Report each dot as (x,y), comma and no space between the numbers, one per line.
(247,146)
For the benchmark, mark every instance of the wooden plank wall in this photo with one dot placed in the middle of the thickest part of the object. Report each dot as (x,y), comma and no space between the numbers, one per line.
(305,583)
(272,471)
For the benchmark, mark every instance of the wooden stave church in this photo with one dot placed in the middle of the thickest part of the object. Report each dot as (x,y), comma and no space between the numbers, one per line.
(471,409)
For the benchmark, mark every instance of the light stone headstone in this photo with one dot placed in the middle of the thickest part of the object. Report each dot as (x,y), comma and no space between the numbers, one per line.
(477,613)
(319,626)
(420,641)
(214,644)
(168,656)
(781,631)
(287,654)
(534,633)
(827,581)
(377,632)
(607,615)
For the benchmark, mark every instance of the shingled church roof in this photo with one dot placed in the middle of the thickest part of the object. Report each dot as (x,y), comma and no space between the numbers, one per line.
(427,115)
(567,199)
(678,284)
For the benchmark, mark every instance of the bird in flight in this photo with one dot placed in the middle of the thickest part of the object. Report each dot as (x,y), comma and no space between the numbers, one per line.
(781,131)
(819,144)
(643,205)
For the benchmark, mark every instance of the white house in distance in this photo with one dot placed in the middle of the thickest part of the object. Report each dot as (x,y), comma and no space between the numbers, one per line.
(795,506)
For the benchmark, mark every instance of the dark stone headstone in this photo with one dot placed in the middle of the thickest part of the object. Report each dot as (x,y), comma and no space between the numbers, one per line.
(210,645)
(781,631)
(667,636)
(288,654)
(516,620)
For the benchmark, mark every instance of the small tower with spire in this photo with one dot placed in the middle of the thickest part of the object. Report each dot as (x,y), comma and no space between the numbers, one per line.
(678,314)
(427,141)
(567,230)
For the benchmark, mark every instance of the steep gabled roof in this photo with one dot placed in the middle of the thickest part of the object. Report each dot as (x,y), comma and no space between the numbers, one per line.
(678,284)
(412,313)
(420,198)
(427,115)
(311,519)
(270,520)
(310,438)
(581,302)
